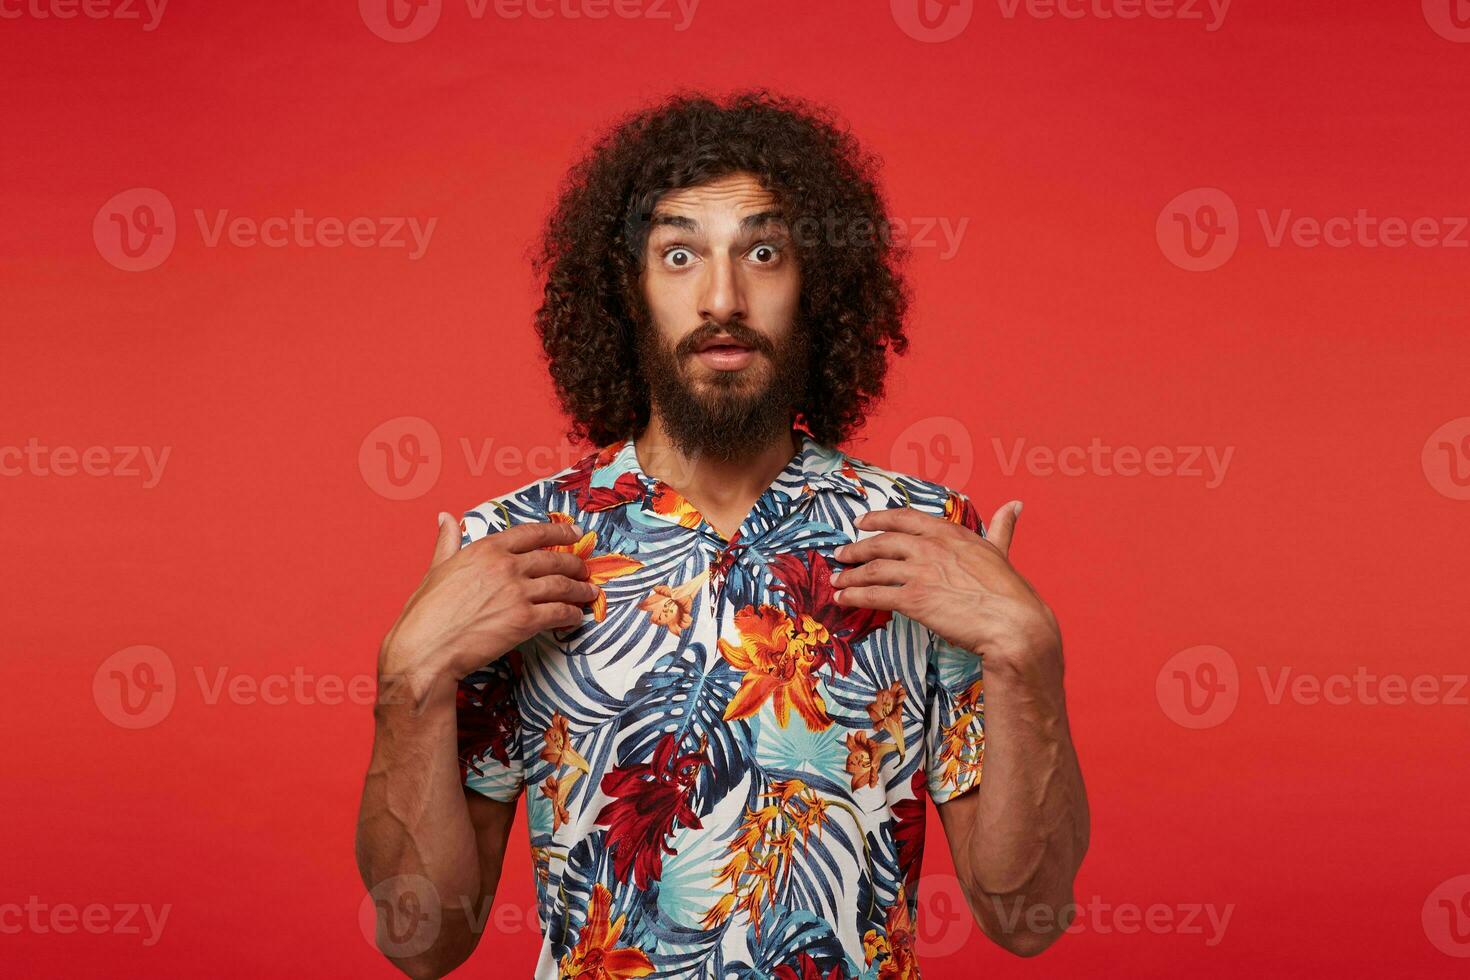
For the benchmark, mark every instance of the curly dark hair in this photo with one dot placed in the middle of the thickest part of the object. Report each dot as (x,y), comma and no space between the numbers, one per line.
(853,296)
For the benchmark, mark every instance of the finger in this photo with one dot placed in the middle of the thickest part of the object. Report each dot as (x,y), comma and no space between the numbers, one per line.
(559,588)
(536,534)
(556,615)
(888,544)
(904,519)
(888,597)
(879,571)
(538,563)
(1003,526)
(446,545)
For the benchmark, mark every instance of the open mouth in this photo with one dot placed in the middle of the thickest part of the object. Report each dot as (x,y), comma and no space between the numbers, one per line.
(724,354)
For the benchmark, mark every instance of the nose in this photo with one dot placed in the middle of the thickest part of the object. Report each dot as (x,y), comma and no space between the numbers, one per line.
(722,298)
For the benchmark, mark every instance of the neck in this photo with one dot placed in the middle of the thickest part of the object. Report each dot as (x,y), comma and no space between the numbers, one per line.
(719,482)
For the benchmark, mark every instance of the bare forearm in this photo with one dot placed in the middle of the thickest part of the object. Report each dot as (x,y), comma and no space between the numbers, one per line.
(414,830)
(1029,825)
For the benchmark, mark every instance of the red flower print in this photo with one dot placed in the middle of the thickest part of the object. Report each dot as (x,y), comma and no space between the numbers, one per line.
(578,481)
(651,796)
(808,970)
(908,828)
(488,717)
(807,586)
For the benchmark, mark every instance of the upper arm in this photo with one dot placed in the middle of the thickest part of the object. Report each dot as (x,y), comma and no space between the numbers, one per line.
(492,820)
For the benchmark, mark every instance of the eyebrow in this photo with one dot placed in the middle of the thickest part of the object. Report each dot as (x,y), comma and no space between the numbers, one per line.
(747,223)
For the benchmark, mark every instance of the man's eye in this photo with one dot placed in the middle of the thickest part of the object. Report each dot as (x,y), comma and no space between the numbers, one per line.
(679,257)
(764,253)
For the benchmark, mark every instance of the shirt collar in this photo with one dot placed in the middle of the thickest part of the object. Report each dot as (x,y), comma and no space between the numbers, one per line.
(814,468)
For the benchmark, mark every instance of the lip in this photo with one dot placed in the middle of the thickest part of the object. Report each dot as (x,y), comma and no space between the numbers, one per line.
(721,340)
(725,357)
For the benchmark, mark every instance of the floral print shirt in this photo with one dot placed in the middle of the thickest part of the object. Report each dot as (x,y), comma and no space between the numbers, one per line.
(724,770)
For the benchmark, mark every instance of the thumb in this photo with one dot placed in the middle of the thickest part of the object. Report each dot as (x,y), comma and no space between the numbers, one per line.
(1003,526)
(446,546)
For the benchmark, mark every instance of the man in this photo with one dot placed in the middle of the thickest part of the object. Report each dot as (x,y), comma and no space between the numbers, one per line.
(723,661)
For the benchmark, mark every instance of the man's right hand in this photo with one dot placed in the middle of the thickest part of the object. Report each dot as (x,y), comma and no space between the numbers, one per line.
(477,603)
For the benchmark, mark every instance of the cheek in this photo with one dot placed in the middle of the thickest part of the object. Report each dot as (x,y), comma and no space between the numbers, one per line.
(671,301)
(775,301)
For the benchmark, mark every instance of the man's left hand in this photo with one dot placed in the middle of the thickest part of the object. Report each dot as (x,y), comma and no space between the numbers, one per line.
(948,578)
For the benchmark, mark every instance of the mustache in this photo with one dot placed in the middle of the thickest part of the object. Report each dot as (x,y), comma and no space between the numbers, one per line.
(737,330)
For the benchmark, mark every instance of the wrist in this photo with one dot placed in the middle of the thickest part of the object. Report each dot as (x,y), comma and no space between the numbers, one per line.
(407,682)
(1028,660)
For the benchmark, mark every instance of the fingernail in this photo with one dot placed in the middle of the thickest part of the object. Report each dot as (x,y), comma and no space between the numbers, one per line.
(1018,508)
(444,518)
(833,579)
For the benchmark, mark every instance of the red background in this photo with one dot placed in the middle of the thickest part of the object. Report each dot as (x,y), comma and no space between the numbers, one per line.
(265,549)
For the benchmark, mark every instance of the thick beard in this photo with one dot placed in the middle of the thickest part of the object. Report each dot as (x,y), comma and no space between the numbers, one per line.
(723,419)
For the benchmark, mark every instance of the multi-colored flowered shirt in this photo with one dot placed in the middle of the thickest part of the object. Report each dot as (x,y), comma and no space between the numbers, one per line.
(724,770)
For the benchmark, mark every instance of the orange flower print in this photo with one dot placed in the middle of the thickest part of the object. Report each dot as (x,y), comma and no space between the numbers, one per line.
(865,759)
(961,750)
(558,750)
(541,860)
(600,568)
(886,711)
(557,789)
(597,955)
(670,605)
(962,753)
(778,661)
(669,502)
(959,510)
(761,851)
(895,944)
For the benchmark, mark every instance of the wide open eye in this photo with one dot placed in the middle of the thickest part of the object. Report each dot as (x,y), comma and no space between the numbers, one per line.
(764,254)
(678,257)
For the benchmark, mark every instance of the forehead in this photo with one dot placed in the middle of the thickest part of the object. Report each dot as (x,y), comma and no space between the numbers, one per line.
(735,194)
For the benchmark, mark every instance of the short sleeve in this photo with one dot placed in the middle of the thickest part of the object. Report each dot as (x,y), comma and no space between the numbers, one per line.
(487,708)
(954,720)
(954,707)
(489,724)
